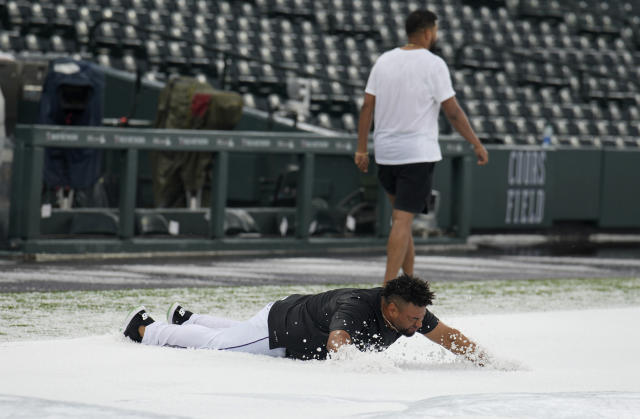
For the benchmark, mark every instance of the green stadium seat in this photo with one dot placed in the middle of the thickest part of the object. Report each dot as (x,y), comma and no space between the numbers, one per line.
(522,56)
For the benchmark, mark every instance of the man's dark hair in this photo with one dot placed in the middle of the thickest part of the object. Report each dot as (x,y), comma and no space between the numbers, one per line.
(408,289)
(420,20)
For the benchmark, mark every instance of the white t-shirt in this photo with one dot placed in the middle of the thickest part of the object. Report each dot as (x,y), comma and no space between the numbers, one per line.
(409,86)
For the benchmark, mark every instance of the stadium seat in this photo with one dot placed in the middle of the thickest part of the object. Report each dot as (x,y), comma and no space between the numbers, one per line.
(323,120)
(12,42)
(349,123)
(514,62)
(16,15)
(35,44)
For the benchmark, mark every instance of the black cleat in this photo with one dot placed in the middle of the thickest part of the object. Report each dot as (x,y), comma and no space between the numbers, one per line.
(136,318)
(177,314)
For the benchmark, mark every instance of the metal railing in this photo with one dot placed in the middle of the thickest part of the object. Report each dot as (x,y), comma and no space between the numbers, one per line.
(27,182)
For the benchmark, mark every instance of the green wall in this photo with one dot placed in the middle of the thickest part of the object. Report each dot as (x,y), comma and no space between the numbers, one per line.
(535,188)
(620,189)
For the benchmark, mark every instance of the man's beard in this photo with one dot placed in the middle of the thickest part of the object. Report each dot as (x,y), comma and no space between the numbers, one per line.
(406,332)
(434,47)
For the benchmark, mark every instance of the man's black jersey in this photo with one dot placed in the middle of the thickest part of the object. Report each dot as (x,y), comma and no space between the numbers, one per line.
(301,323)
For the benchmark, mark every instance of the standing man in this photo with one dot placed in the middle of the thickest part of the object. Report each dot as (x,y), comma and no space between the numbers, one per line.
(406,88)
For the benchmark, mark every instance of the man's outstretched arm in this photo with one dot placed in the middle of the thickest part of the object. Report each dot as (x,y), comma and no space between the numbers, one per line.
(453,340)
(337,338)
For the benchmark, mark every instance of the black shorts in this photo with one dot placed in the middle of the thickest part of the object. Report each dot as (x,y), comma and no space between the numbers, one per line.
(409,183)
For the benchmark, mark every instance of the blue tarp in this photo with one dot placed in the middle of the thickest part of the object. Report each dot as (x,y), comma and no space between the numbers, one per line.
(72,95)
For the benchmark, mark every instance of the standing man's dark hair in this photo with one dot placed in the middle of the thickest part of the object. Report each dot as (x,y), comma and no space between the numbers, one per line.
(419,20)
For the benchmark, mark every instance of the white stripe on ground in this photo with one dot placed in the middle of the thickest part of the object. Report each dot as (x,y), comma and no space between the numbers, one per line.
(320,269)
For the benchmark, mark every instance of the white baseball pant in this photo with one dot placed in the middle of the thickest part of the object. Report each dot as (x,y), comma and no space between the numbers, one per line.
(210,332)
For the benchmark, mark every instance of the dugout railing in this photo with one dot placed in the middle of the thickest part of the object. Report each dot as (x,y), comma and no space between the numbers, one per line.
(27,184)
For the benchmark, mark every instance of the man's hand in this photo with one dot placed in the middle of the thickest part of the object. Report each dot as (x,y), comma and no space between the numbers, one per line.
(362,161)
(482,154)
(457,343)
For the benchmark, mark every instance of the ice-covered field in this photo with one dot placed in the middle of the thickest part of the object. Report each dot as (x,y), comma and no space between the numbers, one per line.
(560,348)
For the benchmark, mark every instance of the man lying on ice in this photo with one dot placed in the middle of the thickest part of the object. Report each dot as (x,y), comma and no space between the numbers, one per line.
(311,326)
